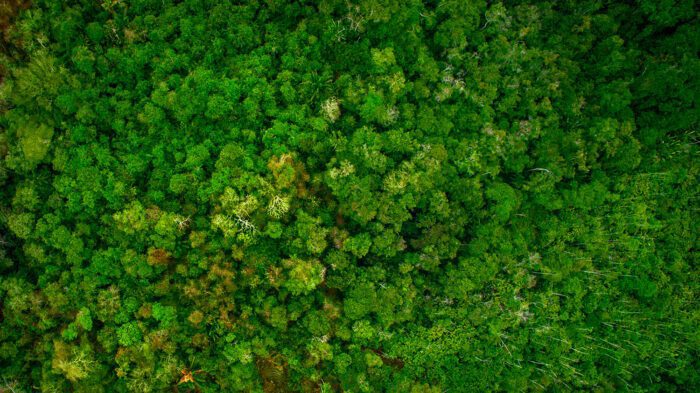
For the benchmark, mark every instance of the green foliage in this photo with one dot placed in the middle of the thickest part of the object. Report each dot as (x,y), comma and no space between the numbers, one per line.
(349,196)
(35,141)
(84,319)
(304,275)
(129,334)
(166,315)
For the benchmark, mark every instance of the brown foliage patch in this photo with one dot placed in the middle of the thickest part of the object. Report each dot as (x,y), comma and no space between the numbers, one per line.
(9,9)
(158,256)
(273,371)
(289,174)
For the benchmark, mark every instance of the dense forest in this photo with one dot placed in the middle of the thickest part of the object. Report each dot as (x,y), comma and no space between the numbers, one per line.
(413,196)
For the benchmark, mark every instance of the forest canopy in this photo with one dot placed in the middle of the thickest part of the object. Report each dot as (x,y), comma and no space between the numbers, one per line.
(349,196)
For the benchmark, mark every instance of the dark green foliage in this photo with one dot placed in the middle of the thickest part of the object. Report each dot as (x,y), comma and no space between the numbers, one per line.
(357,196)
